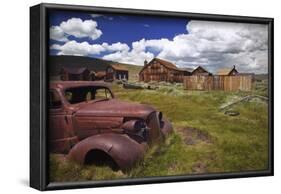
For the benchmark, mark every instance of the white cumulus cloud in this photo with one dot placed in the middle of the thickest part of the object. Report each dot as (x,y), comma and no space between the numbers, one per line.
(56,33)
(118,46)
(84,48)
(79,49)
(75,27)
(213,45)
(80,29)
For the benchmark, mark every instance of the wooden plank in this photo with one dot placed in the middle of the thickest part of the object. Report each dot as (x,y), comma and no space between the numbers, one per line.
(226,83)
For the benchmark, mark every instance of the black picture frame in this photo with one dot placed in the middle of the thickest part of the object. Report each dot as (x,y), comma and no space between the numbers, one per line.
(39,84)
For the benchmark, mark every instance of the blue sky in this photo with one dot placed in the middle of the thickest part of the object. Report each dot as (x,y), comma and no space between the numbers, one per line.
(123,28)
(135,38)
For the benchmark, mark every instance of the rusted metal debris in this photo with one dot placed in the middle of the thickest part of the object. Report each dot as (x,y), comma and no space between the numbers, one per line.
(132,86)
(127,85)
(244,99)
(231,113)
(84,116)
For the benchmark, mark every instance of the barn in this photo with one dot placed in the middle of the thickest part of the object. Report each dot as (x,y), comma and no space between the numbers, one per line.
(187,71)
(201,71)
(161,70)
(74,74)
(227,71)
(116,72)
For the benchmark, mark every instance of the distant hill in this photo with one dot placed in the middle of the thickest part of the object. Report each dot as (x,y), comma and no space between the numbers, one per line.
(261,76)
(55,64)
(93,64)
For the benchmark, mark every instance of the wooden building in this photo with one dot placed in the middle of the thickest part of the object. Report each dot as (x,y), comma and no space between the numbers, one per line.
(225,83)
(116,72)
(187,71)
(74,74)
(97,75)
(201,71)
(225,79)
(228,71)
(161,70)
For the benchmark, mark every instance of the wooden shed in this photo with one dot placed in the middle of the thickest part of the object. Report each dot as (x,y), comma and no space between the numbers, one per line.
(116,72)
(201,71)
(161,70)
(228,71)
(74,74)
(225,79)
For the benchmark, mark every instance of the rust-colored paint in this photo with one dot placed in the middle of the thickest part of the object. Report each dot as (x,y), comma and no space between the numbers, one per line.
(161,70)
(120,129)
(124,150)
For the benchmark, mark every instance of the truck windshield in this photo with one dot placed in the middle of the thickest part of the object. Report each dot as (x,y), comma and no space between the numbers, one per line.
(84,94)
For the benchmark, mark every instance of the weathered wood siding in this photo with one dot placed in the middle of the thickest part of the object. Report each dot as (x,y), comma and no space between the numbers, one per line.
(226,83)
(218,82)
(158,72)
(236,83)
(113,74)
(198,82)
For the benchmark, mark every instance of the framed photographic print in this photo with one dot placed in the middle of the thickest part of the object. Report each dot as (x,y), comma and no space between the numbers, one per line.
(124,96)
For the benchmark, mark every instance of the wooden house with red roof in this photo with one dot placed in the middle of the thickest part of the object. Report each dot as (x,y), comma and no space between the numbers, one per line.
(116,72)
(161,70)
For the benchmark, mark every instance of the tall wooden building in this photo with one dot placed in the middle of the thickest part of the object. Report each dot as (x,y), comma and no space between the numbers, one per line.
(161,70)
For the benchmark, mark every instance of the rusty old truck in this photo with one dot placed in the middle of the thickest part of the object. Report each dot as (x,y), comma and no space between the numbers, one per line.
(89,125)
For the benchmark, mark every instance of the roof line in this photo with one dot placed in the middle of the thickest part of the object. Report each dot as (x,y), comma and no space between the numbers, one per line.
(161,60)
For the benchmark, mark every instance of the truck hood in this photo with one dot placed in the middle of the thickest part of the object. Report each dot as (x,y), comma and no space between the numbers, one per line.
(115,108)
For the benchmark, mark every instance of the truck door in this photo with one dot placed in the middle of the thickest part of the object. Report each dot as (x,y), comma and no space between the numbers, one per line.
(60,130)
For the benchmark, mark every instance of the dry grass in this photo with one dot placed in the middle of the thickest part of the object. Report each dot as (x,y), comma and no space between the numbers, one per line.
(205,140)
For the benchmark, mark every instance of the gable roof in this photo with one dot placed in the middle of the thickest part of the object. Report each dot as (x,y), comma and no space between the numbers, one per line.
(200,67)
(73,70)
(167,64)
(119,67)
(188,69)
(225,71)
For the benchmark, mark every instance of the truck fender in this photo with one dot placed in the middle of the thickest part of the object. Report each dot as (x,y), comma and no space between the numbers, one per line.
(122,149)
